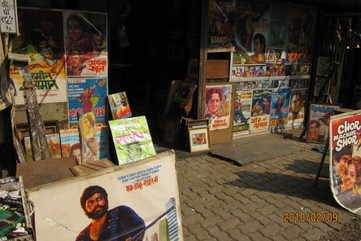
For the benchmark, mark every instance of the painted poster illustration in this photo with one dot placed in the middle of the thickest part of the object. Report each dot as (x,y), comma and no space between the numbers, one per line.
(259,124)
(218,106)
(261,102)
(345,160)
(139,202)
(85,95)
(88,139)
(297,108)
(119,105)
(318,122)
(42,41)
(70,144)
(279,109)
(85,44)
(132,139)
(242,110)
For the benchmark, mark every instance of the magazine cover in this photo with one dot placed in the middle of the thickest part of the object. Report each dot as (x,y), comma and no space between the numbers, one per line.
(242,111)
(139,202)
(132,139)
(261,102)
(119,105)
(297,108)
(85,44)
(88,140)
(345,160)
(318,122)
(85,95)
(42,41)
(70,144)
(279,109)
(218,99)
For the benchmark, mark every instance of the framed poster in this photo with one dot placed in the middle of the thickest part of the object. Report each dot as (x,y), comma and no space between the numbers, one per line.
(198,135)
(345,159)
(218,105)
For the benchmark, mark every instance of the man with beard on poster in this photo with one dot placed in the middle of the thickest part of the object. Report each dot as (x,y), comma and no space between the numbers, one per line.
(118,224)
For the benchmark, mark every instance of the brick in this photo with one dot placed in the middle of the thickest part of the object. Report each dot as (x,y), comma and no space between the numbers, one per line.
(258,237)
(237,235)
(229,224)
(250,227)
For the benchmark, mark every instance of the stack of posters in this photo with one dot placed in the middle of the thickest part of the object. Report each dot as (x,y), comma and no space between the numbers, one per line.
(119,105)
(132,139)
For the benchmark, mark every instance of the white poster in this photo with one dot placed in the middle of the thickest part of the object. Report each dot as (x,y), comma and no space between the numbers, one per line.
(139,201)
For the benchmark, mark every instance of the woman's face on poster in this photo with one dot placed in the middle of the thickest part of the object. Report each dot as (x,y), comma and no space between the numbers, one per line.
(213,103)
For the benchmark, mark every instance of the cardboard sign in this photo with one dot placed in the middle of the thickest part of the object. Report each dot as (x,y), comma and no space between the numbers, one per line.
(142,202)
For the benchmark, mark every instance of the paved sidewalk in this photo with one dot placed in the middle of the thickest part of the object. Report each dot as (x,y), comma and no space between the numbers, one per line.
(222,201)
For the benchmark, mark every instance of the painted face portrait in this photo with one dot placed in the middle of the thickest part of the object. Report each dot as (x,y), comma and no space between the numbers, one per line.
(96,206)
(213,103)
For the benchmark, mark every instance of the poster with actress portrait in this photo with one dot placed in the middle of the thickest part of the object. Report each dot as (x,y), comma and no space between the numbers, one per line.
(345,160)
(218,99)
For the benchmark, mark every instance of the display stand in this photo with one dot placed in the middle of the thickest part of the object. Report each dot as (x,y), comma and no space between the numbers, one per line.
(321,163)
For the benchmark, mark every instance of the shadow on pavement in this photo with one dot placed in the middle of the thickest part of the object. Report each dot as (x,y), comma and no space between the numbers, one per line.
(308,167)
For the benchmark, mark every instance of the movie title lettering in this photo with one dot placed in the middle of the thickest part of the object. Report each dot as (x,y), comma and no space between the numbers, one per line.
(346,134)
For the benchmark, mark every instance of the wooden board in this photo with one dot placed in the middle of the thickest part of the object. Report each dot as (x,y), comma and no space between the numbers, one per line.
(217,69)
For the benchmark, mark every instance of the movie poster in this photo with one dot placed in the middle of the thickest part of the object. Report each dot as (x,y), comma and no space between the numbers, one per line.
(85,95)
(85,44)
(70,144)
(242,111)
(318,122)
(88,140)
(261,102)
(42,41)
(138,202)
(132,139)
(218,106)
(345,160)
(296,114)
(279,109)
(259,124)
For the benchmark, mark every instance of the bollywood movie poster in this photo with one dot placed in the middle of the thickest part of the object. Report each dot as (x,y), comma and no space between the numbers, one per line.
(296,114)
(42,41)
(138,202)
(119,105)
(345,160)
(280,105)
(88,140)
(261,102)
(70,144)
(85,95)
(86,50)
(218,106)
(132,139)
(318,122)
(242,111)
(259,124)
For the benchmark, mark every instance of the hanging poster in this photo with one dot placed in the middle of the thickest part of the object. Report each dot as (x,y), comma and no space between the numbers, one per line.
(345,160)
(218,106)
(85,95)
(132,139)
(297,108)
(261,102)
(119,105)
(88,139)
(85,44)
(318,122)
(139,202)
(242,110)
(259,124)
(70,144)
(42,41)
(279,109)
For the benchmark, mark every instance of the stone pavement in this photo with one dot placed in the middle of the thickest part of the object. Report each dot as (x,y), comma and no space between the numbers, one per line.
(222,201)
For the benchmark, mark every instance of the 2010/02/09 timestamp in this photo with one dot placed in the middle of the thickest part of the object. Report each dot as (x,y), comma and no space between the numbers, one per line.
(310,217)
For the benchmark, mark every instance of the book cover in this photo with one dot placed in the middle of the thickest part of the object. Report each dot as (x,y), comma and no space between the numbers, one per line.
(132,139)
(70,144)
(119,105)
(88,139)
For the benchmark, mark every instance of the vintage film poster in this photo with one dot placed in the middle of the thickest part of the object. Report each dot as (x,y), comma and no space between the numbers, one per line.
(85,95)
(242,111)
(198,139)
(53,141)
(119,105)
(318,122)
(259,124)
(132,139)
(218,99)
(139,202)
(85,36)
(70,144)
(261,102)
(345,159)
(88,140)
(42,41)
(280,105)
(296,114)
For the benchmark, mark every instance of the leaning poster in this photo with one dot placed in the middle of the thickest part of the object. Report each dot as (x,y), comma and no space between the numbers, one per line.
(345,159)
(139,202)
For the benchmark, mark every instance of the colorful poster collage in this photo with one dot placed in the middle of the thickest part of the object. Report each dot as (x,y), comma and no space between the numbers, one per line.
(68,54)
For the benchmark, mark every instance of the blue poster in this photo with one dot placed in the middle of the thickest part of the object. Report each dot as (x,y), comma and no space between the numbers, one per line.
(85,95)
(280,107)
